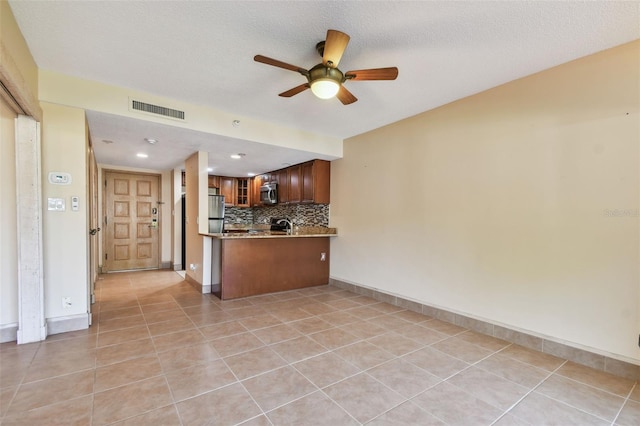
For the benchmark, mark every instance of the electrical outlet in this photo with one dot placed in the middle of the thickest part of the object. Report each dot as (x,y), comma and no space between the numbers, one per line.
(66,302)
(323,257)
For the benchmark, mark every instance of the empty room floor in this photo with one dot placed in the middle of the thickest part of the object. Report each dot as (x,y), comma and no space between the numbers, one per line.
(160,353)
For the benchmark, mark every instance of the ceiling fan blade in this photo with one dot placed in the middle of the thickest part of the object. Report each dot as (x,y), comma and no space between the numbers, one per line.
(373,74)
(289,93)
(279,64)
(345,96)
(334,47)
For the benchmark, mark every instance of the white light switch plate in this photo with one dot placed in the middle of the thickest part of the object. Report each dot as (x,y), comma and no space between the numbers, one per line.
(55,204)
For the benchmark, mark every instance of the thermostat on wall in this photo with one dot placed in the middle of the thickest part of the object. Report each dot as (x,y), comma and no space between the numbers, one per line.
(59,178)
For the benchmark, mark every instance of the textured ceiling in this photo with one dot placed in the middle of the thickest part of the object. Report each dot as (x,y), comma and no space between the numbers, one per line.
(202,52)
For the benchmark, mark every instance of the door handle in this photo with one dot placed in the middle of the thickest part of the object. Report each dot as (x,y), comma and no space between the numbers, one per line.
(93,231)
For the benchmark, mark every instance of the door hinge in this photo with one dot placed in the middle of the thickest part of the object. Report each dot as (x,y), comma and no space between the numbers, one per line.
(105,183)
(105,220)
(106,256)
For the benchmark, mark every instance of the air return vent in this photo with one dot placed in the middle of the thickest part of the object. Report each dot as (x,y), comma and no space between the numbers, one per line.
(156,109)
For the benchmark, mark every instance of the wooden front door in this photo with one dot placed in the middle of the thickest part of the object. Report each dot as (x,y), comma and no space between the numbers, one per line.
(132,221)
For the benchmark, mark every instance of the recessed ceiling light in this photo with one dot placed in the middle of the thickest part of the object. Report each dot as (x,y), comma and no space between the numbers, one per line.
(151,141)
(251,174)
(141,155)
(209,169)
(235,123)
(107,141)
(238,155)
(286,164)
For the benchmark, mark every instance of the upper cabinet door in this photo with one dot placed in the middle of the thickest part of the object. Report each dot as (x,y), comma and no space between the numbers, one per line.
(214,181)
(255,184)
(295,184)
(283,186)
(315,181)
(228,189)
(243,192)
(306,172)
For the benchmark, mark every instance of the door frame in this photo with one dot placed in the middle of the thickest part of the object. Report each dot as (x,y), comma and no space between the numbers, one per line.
(94,223)
(103,244)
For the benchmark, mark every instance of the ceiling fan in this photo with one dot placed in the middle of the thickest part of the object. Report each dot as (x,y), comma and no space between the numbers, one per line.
(325,79)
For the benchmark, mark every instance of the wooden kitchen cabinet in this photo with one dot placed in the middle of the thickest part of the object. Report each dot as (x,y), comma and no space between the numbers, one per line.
(295,184)
(243,192)
(315,182)
(268,177)
(213,181)
(255,184)
(308,182)
(228,189)
(283,186)
(248,267)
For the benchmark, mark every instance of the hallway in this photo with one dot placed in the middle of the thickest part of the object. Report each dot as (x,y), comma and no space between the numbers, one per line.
(161,353)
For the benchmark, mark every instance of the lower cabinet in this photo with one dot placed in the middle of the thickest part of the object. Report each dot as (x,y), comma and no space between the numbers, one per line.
(251,266)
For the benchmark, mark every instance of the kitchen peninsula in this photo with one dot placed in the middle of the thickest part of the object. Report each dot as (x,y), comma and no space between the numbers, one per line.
(258,261)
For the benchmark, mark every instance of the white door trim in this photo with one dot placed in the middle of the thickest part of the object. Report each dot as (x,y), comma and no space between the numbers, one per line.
(31,322)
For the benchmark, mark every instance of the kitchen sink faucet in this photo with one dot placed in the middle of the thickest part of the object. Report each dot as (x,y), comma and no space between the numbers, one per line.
(289,223)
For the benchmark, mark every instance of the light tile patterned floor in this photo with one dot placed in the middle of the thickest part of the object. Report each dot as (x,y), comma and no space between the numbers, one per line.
(159,353)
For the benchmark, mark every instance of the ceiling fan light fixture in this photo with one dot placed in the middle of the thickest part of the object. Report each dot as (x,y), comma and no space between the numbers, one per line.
(325,88)
(325,79)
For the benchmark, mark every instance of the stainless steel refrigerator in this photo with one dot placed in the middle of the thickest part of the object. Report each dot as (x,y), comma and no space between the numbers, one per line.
(216,213)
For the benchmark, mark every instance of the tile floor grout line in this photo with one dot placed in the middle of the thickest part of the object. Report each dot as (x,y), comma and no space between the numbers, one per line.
(252,398)
(334,383)
(551,373)
(590,385)
(338,404)
(626,400)
(445,380)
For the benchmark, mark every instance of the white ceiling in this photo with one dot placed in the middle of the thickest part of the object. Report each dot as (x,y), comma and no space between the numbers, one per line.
(202,53)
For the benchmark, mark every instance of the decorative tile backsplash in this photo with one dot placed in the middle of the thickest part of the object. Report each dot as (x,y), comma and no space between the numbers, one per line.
(238,216)
(300,214)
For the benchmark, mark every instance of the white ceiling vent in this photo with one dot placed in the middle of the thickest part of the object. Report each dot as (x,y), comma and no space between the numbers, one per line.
(156,110)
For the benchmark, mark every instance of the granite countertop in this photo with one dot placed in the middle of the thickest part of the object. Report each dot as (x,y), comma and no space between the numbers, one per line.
(262,231)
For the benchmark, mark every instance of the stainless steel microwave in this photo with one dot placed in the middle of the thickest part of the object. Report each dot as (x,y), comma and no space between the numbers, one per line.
(269,193)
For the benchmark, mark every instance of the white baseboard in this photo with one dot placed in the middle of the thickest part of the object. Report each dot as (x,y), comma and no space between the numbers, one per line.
(8,332)
(69,323)
(204,289)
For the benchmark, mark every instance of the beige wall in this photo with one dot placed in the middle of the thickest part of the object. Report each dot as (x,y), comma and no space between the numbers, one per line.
(65,234)
(197,218)
(15,48)
(499,206)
